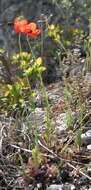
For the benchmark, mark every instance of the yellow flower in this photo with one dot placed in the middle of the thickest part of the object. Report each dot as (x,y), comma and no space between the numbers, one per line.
(51,27)
(58,37)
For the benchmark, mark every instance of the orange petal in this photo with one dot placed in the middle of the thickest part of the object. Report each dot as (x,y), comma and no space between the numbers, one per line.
(19,25)
(23,22)
(33,26)
(34,33)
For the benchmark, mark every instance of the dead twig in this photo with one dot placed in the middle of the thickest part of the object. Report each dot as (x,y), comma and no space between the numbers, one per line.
(70,165)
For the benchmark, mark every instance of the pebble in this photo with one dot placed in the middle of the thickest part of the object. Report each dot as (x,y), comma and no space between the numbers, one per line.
(61,125)
(37,118)
(89,147)
(89,171)
(55,187)
(86,138)
(65,186)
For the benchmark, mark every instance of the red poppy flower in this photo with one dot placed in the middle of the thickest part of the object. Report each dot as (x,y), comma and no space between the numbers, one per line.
(30,27)
(23,26)
(20,26)
(34,33)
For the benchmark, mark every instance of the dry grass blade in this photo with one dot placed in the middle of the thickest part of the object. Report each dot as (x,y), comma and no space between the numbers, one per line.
(82,173)
(1,136)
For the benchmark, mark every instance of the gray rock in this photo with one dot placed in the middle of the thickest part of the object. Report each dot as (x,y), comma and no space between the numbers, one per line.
(43,10)
(86,138)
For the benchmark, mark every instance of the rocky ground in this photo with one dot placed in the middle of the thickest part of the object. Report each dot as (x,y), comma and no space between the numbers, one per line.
(66,170)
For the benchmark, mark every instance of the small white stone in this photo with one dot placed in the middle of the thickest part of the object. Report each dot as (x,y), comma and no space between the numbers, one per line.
(55,187)
(65,186)
(89,147)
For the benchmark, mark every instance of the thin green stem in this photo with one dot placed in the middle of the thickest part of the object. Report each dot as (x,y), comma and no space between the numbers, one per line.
(20,48)
(30,47)
(90,38)
(47,111)
(32,101)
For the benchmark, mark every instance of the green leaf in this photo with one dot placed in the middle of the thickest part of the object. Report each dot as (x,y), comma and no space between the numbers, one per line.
(1,62)
(78,140)
(36,156)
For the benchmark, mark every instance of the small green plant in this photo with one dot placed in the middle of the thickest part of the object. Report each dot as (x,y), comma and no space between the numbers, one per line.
(16,93)
(48,129)
(80,112)
(35,70)
(67,95)
(21,162)
(78,140)
(69,119)
(68,101)
(13,94)
(23,59)
(36,156)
